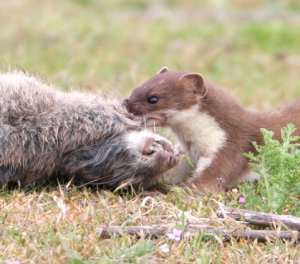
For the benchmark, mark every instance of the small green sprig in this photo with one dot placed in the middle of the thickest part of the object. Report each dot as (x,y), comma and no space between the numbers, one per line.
(278,163)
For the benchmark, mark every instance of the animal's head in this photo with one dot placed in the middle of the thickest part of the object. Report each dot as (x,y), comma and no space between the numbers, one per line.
(165,92)
(134,157)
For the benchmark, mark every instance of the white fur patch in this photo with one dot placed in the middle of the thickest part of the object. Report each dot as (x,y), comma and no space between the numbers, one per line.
(15,79)
(136,139)
(199,133)
(179,173)
(202,164)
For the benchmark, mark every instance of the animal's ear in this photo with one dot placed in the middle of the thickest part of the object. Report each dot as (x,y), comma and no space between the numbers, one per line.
(162,70)
(194,81)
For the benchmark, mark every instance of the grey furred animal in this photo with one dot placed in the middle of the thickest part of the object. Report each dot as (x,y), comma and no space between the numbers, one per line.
(47,134)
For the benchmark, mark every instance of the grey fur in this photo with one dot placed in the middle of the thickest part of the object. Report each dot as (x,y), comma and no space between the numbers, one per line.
(47,134)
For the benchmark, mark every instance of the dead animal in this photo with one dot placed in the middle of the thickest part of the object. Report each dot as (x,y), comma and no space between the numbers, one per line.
(48,134)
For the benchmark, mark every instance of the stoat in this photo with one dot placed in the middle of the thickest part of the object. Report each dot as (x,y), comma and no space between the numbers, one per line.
(214,129)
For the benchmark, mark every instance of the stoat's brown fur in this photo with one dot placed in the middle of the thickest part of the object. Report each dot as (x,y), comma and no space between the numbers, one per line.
(214,129)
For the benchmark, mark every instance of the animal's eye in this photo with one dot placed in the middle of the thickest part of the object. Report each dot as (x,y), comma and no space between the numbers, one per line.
(152,99)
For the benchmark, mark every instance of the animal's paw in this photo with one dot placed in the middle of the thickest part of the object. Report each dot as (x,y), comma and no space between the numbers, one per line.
(198,187)
(167,157)
(160,154)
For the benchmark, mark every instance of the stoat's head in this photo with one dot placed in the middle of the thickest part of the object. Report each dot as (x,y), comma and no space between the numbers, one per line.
(166,93)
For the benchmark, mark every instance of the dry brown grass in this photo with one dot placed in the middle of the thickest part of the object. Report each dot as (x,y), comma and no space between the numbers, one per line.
(59,226)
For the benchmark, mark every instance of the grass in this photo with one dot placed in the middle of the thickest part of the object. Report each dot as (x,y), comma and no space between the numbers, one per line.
(110,47)
(61,227)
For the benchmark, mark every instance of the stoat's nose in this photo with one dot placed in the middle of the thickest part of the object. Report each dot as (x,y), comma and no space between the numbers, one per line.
(125,103)
(131,107)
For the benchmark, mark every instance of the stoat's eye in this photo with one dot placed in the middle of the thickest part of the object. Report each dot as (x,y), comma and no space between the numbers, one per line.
(152,99)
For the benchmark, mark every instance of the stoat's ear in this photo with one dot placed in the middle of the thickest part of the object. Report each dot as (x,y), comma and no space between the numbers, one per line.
(194,81)
(162,70)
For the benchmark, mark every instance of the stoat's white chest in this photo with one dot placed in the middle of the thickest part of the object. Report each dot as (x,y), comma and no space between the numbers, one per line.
(199,132)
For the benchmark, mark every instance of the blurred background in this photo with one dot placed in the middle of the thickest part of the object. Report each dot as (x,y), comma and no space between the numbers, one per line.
(249,47)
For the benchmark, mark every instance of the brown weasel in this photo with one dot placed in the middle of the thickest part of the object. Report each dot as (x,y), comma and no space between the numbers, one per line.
(213,128)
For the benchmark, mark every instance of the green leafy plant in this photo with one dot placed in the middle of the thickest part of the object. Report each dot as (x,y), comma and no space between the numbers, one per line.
(279,165)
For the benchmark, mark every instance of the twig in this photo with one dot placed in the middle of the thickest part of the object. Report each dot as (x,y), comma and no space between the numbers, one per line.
(158,231)
(261,219)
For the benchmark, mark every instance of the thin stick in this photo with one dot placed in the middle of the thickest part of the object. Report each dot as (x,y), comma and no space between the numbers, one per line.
(261,219)
(190,230)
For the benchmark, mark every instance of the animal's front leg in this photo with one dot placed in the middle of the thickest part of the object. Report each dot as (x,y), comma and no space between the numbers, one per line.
(206,177)
(218,174)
